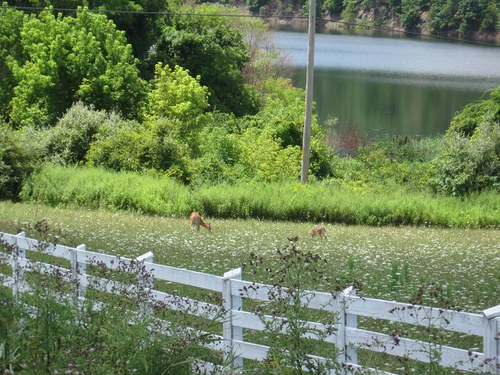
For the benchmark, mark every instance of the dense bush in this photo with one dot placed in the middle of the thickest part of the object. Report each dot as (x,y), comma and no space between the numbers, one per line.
(17,161)
(69,141)
(470,158)
(468,164)
(473,114)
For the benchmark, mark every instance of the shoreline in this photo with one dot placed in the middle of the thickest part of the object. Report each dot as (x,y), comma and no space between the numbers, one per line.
(328,25)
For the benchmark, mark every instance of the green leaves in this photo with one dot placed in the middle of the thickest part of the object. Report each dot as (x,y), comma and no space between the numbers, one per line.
(68,59)
(211,48)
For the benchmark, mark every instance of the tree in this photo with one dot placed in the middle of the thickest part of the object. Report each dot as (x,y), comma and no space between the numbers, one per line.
(137,18)
(69,59)
(70,139)
(10,50)
(470,13)
(181,101)
(265,60)
(442,15)
(490,17)
(410,14)
(210,48)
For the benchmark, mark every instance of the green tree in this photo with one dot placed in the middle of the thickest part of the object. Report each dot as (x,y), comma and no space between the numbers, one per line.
(470,14)
(265,60)
(10,50)
(490,17)
(181,101)
(211,48)
(69,141)
(442,15)
(137,18)
(68,59)
(410,14)
(333,7)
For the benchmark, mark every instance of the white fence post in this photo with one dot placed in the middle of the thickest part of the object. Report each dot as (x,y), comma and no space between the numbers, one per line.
(344,352)
(491,339)
(230,302)
(145,281)
(80,267)
(18,258)
(351,321)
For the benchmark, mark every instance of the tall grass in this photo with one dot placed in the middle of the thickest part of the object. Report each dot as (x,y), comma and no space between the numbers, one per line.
(327,201)
(95,188)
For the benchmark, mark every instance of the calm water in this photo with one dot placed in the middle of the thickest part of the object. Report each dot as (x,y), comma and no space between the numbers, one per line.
(388,86)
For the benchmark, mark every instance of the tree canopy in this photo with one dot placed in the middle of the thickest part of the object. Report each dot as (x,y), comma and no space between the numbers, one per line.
(66,59)
(211,48)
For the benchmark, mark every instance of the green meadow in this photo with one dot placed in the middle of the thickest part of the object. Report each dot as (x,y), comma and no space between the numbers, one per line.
(387,262)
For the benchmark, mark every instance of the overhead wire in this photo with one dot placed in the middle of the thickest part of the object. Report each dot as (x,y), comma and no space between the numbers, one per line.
(161,13)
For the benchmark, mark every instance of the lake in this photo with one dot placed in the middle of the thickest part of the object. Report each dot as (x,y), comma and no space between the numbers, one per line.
(383,86)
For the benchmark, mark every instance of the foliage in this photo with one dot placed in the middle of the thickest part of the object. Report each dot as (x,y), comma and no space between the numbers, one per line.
(410,14)
(349,12)
(333,7)
(491,17)
(17,161)
(70,139)
(470,159)
(49,331)
(131,146)
(140,30)
(265,61)
(211,48)
(264,147)
(97,188)
(334,201)
(127,147)
(468,164)
(285,316)
(182,101)
(10,50)
(438,16)
(66,59)
(466,121)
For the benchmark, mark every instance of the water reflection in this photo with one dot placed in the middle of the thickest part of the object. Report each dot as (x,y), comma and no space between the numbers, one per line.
(383,86)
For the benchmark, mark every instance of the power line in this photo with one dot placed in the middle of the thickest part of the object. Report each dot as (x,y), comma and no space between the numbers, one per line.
(350,24)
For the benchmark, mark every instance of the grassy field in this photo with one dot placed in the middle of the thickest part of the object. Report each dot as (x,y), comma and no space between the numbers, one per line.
(388,262)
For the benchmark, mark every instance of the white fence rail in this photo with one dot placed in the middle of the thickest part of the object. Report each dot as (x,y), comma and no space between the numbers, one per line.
(347,338)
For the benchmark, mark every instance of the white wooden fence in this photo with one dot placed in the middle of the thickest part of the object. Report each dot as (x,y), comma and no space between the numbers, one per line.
(347,307)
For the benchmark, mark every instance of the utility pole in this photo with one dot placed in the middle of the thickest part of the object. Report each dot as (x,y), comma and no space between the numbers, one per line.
(306,141)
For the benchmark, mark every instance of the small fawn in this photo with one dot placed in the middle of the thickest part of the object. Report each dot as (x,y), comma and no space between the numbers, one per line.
(195,221)
(318,230)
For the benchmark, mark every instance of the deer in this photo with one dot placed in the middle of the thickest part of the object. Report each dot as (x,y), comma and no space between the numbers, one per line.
(195,221)
(318,230)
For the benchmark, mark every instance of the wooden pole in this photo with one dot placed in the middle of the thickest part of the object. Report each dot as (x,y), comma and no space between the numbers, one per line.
(306,141)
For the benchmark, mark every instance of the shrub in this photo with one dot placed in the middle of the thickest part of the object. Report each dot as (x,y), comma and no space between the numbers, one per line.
(474,114)
(468,164)
(16,162)
(69,141)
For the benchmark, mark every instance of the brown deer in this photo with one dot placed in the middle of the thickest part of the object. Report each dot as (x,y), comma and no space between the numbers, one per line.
(195,221)
(318,230)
